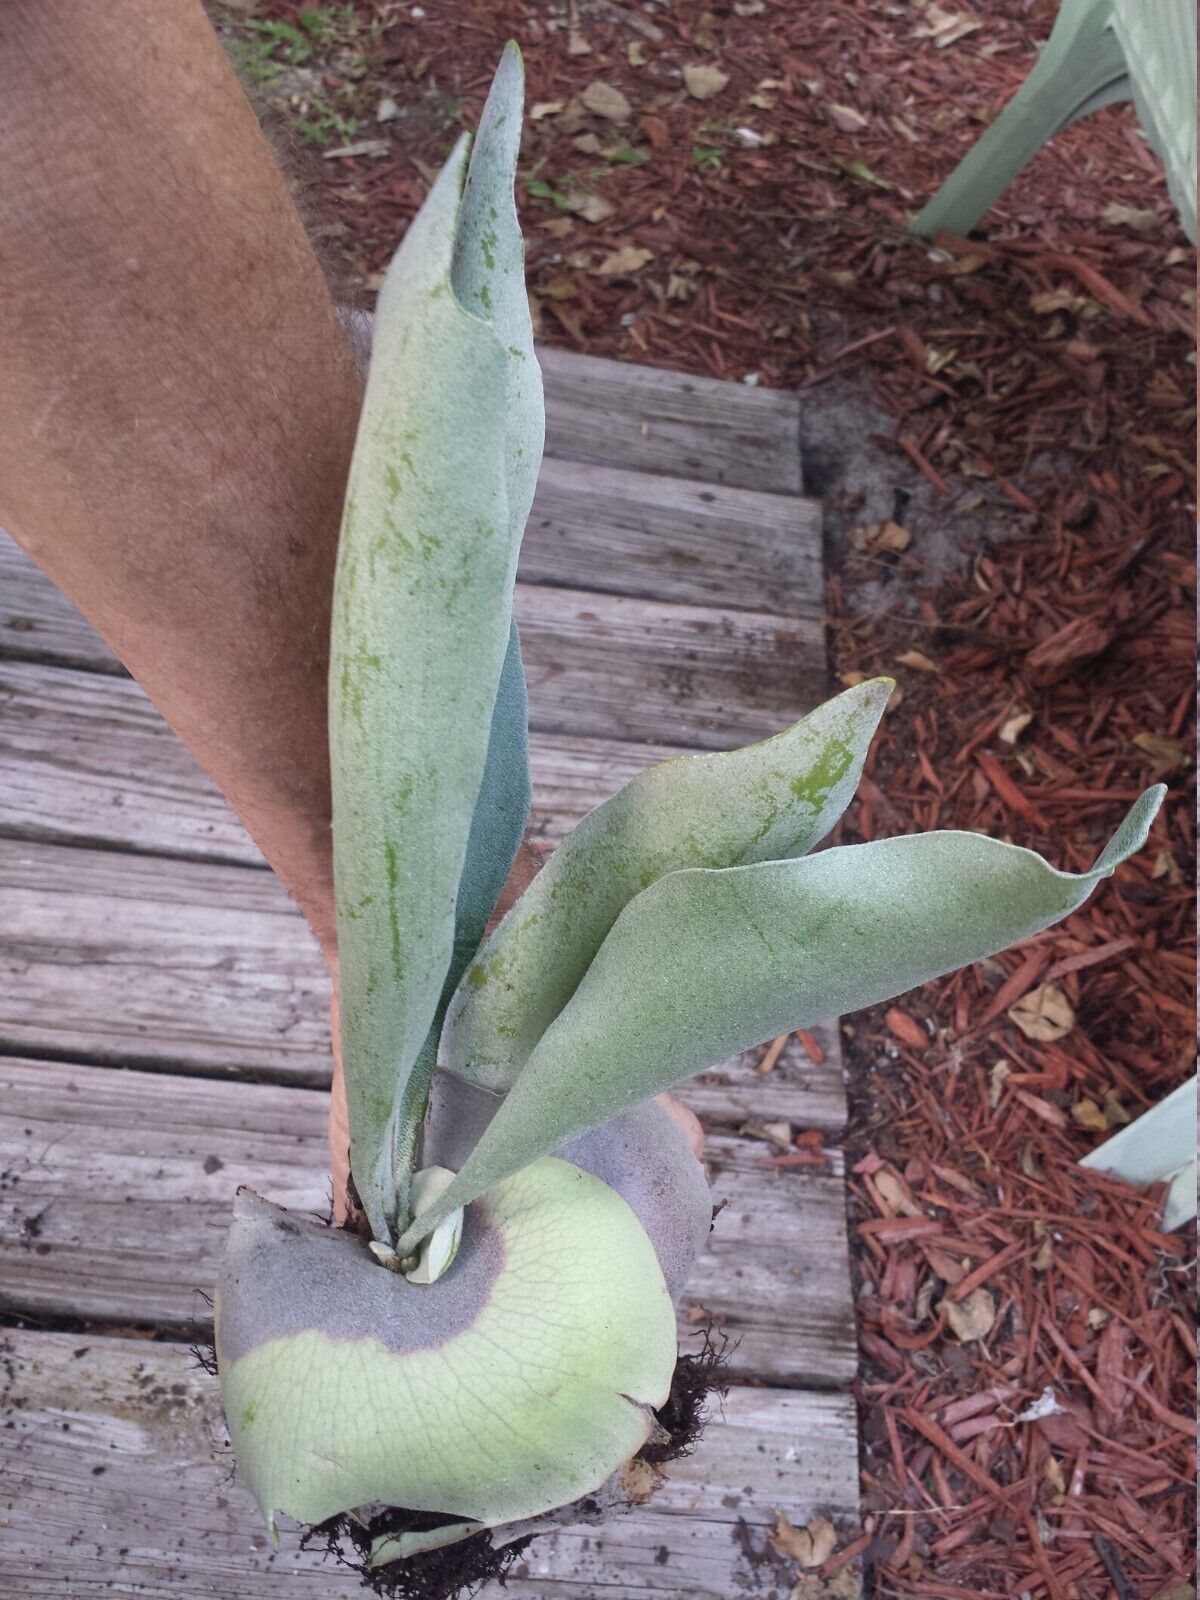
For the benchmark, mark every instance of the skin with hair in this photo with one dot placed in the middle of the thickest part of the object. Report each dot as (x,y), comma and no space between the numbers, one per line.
(178,404)
(177,398)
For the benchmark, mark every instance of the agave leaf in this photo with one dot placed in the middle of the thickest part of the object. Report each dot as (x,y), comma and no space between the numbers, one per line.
(439,489)
(518,1382)
(770,800)
(706,963)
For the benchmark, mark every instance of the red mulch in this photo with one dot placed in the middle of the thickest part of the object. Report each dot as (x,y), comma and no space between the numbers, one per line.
(1050,359)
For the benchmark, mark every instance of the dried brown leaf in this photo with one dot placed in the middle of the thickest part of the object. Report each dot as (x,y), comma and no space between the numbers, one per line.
(944,27)
(919,660)
(1044,1014)
(1130,217)
(591,207)
(1164,753)
(1089,1115)
(622,263)
(1014,727)
(846,118)
(996,1082)
(972,1318)
(810,1546)
(703,81)
(604,100)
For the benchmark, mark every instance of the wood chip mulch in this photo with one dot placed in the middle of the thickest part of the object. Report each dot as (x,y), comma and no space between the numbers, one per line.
(1027,1332)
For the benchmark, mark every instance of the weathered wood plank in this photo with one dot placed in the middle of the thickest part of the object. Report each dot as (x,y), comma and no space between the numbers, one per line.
(615,667)
(670,422)
(117,1189)
(599,665)
(639,533)
(201,967)
(85,758)
(117,1479)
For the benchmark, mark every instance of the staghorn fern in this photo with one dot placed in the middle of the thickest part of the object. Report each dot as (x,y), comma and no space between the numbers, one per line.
(538,1210)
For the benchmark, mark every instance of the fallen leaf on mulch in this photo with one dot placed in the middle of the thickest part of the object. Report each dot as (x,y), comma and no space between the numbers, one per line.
(996,1079)
(1014,727)
(971,1318)
(896,1195)
(604,101)
(919,660)
(1089,1115)
(1044,1014)
(1052,300)
(1130,217)
(621,263)
(846,1584)
(1114,1110)
(1166,754)
(892,536)
(545,108)
(1046,1405)
(591,207)
(1099,1119)
(810,1546)
(680,286)
(944,27)
(846,118)
(703,81)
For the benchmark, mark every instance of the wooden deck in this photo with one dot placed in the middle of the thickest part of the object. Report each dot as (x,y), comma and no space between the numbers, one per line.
(164,1033)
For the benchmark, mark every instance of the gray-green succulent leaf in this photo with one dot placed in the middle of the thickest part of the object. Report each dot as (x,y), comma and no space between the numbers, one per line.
(704,963)
(518,1382)
(426,688)
(769,801)
(643,1154)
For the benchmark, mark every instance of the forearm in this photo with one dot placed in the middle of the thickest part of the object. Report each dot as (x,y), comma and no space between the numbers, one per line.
(177,400)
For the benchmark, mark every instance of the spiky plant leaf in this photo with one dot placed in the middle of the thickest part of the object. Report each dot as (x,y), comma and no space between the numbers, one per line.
(440,486)
(770,800)
(706,963)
